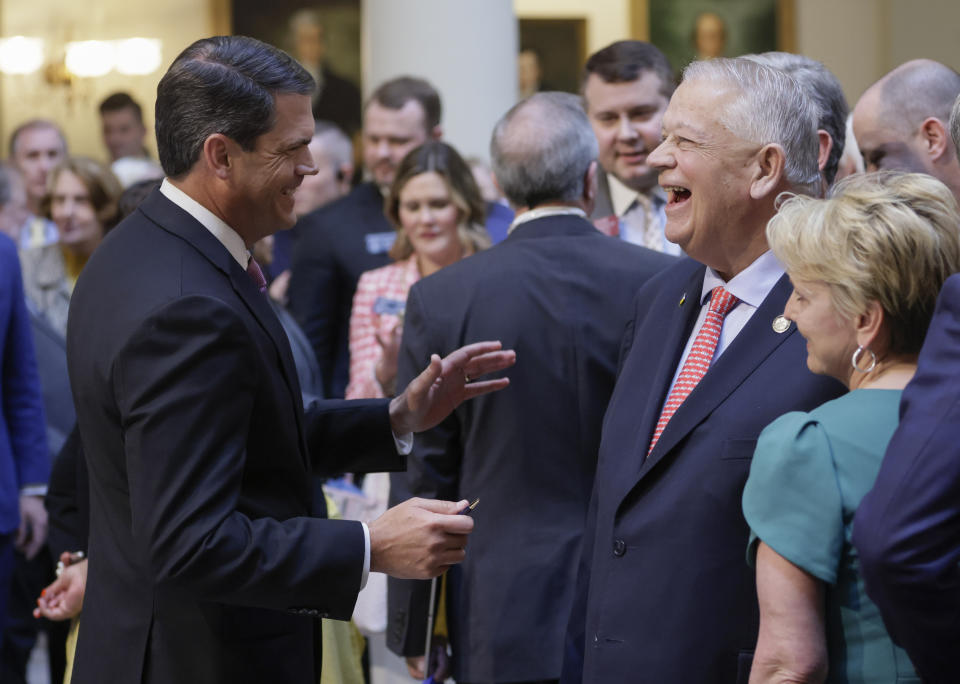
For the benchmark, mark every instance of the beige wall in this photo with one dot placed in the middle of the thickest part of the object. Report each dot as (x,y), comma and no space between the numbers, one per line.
(175,22)
(607,20)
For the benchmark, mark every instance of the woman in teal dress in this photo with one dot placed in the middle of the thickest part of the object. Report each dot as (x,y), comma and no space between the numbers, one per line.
(866,265)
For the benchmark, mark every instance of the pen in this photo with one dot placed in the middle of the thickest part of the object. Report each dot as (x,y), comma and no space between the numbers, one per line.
(469,509)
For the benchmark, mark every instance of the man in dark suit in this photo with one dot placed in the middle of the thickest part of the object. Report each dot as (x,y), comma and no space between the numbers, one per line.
(561,293)
(205,562)
(665,594)
(351,235)
(626,87)
(907,528)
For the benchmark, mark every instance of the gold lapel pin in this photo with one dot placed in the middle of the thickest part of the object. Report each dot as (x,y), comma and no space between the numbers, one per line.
(682,300)
(781,324)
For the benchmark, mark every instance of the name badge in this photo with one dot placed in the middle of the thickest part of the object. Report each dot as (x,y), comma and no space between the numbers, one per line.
(380,243)
(392,307)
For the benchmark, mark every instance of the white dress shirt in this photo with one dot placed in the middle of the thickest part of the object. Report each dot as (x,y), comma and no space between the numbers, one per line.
(751,286)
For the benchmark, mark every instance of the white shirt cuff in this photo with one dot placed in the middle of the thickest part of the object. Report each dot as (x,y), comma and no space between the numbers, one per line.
(366,555)
(404,443)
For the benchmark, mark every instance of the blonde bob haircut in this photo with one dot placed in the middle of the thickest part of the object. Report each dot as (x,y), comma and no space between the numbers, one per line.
(440,158)
(889,237)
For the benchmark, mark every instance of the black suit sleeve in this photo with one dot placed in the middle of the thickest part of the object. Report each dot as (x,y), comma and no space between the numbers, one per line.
(68,500)
(907,528)
(433,469)
(314,294)
(186,383)
(351,436)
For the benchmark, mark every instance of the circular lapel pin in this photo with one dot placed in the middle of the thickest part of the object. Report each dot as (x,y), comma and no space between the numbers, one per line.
(780,324)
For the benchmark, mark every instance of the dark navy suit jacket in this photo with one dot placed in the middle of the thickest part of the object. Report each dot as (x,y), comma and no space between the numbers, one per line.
(24,458)
(907,529)
(209,566)
(559,293)
(665,593)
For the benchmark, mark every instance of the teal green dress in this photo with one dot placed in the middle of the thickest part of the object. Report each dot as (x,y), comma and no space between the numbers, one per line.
(809,473)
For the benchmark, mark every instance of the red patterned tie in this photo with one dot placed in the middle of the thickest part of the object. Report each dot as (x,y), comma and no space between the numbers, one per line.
(253,270)
(698,360)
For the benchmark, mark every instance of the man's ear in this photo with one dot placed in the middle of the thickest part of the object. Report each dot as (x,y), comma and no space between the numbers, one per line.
(590,187)
(218,152)
(935,138)
(826,145)
(436,133)
(770,165)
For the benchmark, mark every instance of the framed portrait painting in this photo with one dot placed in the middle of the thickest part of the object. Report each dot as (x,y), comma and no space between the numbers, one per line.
(686,30)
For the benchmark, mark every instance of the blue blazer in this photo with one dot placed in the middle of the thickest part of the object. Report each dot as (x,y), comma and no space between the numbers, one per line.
(664,592)
(23,443)
(907,529)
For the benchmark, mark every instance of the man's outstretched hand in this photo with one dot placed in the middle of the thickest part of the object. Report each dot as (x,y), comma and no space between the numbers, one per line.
(446,383)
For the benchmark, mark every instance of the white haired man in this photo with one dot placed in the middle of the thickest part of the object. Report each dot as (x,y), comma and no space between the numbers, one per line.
(663,587)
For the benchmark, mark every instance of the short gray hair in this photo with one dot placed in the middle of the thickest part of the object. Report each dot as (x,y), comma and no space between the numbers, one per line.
(771,108)
(955,125)
(336,144)
(822,87)
(541,149)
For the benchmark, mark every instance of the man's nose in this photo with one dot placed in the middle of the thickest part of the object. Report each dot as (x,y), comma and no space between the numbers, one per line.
(661,157)
(625,129)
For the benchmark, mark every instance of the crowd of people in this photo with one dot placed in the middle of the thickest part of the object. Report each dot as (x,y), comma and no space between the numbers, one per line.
(692,357)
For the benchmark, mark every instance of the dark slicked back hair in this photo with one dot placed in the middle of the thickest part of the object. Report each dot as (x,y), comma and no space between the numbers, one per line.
(397,92)
(223,84)
(626,61)
(121,100)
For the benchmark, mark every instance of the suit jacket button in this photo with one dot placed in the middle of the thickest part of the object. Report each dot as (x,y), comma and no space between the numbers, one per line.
(619,547)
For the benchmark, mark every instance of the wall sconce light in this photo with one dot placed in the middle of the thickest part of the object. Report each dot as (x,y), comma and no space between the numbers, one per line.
(85,58)
(90,58)
(20,55)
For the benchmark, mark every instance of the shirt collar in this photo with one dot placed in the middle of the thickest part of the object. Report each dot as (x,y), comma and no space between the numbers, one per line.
(622,197)
(225,235)
(534,214)
(751,285)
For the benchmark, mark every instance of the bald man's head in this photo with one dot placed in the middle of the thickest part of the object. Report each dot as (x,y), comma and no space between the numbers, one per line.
(901,121)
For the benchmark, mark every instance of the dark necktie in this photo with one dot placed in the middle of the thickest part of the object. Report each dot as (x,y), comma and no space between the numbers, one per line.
(256,275)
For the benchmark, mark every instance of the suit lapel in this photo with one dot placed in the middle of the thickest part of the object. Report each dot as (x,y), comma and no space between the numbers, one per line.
(658,362)
(258,305)
(174,219)
(751,347)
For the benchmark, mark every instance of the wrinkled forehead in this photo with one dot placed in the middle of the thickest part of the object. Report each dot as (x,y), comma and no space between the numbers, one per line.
(701,104)
(40,138)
